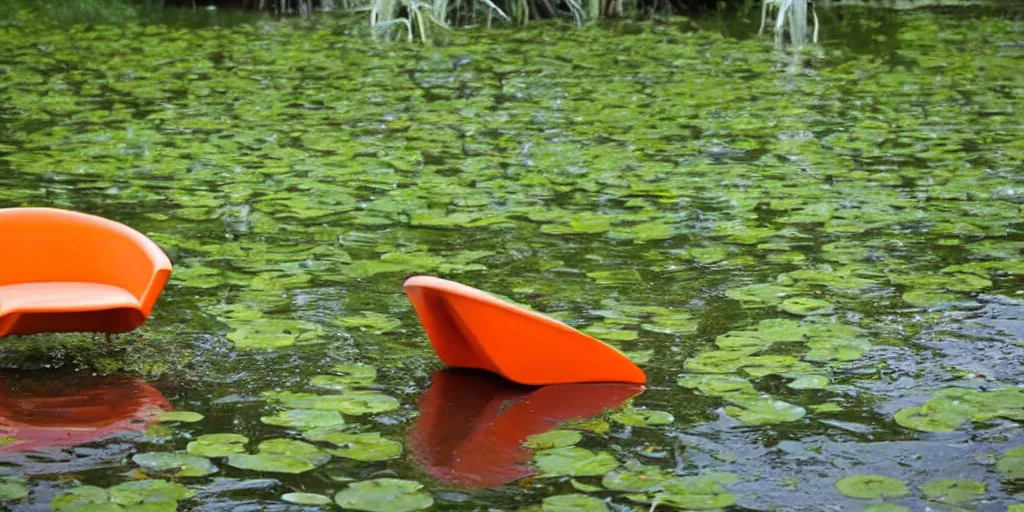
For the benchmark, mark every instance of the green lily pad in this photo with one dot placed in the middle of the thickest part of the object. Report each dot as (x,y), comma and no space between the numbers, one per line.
(953,491)
(553,439)
(886,507)
(12,491)
(765,411)
(574,461)
(281,456)
(573,503)
(178,417)
(624,276)
(689,493)
(951,407)
(806,306)
(306,498)
(368,446)
(355,403)
(929,298)
(176,464)
(83,498)
(305,418)
(643,417)
(354,374)
(374,323)
(634,478)
(1011,464)
(149,491)
(217,445)
(759,295)
(384,495)
(809,382)
(582,487)
(871,486)
(269,333)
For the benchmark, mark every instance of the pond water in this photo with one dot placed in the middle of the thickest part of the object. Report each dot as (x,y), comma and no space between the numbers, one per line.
(816,258)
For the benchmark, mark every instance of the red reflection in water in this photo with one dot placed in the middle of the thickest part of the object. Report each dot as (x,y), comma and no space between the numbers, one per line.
(472,424)
(42,413)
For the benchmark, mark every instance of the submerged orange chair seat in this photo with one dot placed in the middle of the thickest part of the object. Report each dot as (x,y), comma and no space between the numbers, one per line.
(469,328)
(63,271)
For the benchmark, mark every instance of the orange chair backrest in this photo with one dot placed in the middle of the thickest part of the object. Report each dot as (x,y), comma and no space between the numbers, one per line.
(48,245)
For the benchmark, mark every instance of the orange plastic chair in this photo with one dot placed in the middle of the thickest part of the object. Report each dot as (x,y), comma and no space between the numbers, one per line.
(472,425)
(38,413)
(469,328)
(63,271)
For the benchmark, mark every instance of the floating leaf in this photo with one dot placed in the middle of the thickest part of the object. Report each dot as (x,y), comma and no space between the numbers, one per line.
(952,491)
(759,295)
(12,491)
(355,403)
(384,495)
(217,445)
(281,456)
(363,447)
(149,491)
(306,498)
(305,418)
(806,306)
(374,323)
(178,416)
(177,464)
(1011,464)
(809,382)
(553,439)
(634,478)
(643,417)
(573,503)
(574,461)
(689,493)
(871,486)
(83,498)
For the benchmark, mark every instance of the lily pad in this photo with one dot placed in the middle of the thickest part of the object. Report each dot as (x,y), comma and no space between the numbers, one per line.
(178,417)
(759,295)
(952,491)
(368,446)
(217,445)
(281,456)
(12,491)
(176,464)
(689,493)
(872,486)
(806,306)
(83,498)
(634,478)
(374,323)
(385,495)
(573,503)
(149,491)
(643,417)
(574,461)
(305,418)
(553,439)
(356,403)
(306,498)
(1011,464)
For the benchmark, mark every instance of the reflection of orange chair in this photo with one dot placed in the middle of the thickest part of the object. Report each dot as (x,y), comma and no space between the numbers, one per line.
(40,413)
(63,271)
(472,425)
(469,328)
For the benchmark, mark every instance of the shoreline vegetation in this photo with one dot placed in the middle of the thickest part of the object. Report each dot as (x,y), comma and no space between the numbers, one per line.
(794,22)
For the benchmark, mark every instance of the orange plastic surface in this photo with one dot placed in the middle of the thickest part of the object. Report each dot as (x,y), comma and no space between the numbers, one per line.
(469,328)
(63,271)
(37,413)
(472,425)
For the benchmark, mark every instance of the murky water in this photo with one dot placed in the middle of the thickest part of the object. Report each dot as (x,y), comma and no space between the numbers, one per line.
(816,259)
